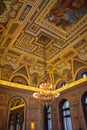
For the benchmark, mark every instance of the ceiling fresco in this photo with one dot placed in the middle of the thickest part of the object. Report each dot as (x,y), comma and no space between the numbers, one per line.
(28,27)
(66,13)
(8,9)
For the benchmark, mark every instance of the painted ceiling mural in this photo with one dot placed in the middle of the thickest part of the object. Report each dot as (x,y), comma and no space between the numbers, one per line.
(8,9)
(31,28)
(66,13)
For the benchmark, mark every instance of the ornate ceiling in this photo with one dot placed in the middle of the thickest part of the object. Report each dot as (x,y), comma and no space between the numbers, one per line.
(27,27)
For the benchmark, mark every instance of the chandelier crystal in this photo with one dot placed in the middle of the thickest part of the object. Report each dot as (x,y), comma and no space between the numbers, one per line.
(47,95)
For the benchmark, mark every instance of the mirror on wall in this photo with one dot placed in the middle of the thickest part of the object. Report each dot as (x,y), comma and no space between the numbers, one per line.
(16,120)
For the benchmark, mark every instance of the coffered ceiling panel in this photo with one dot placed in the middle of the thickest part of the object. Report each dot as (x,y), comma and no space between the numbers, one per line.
(32,29)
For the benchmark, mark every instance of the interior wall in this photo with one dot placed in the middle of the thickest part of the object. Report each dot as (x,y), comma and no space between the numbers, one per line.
(74,96)
(34,111)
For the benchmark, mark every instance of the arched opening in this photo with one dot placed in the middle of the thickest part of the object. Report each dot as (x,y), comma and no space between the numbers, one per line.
(84,106)
(16,115)
(61,83)
(65,115)
(19,79)
(82,73)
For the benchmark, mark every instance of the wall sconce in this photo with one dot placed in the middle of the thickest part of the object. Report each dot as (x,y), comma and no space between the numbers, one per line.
(32,125)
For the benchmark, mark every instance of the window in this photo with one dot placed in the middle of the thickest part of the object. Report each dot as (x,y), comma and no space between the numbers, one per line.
(64,84)
(11,123)
(84,104)
(47,118)
(66,123)
(61,83)
(83,75)
(16,114)
(17,126)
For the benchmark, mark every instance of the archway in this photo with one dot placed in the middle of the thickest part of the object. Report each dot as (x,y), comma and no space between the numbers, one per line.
(16,115)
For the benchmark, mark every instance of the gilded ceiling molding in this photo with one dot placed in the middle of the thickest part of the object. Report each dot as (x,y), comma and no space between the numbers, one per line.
(32,88)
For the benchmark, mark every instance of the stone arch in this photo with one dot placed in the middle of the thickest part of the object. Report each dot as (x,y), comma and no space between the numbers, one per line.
(79,72)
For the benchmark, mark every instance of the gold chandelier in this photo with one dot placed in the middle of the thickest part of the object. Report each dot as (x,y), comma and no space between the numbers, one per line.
(47,94)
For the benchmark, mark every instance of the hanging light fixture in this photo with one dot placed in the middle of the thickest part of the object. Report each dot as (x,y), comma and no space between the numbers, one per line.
(47,95)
